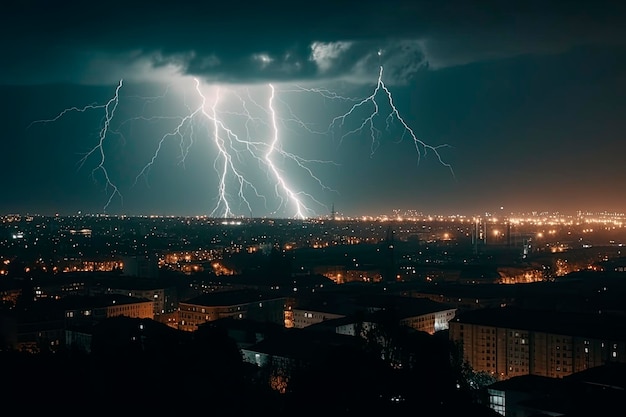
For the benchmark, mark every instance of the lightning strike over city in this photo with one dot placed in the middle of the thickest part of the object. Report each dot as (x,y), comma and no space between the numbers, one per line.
(386,208)
(260,110)
(251,159)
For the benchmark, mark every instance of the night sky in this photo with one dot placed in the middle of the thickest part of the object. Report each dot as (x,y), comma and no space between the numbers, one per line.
(520,105)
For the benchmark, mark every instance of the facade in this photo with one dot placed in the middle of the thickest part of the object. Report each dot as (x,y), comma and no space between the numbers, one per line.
(509,342)
(164,299)
(90,310)
(238,304)
(430,322)
(416,312)
(301,318)
(82,314)
(50,324)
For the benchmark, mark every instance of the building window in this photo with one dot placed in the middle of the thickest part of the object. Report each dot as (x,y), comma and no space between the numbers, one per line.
(497,402)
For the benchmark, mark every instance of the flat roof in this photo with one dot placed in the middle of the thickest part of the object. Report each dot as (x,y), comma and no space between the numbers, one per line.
(231,297)
(526,383)
(593,325)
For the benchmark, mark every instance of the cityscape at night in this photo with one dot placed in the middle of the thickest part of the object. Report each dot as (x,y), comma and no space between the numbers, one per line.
(494,300)
(386,208)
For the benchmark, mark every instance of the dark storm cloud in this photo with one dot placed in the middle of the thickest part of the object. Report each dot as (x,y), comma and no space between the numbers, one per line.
(238,41)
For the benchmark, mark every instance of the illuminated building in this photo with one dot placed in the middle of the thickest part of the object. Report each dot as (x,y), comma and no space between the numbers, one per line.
(507,342)
(239,304)
(417,313)
(82,313)
(504,396)
(93,309)
(593,392)
(50,324)
(301,317)
(164,299)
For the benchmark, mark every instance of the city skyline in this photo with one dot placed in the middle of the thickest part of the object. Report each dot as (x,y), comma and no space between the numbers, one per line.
(266,111)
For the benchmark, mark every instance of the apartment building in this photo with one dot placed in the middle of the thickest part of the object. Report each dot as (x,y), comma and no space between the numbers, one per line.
(238,304)
(508,342)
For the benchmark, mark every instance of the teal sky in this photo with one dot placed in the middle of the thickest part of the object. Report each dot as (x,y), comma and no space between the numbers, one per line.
(528,99)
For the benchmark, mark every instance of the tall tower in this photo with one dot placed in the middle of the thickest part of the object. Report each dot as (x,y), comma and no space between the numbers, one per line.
(332,212)
(479,235)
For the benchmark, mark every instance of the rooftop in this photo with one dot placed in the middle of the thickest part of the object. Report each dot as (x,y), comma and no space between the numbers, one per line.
(591,325)
(231,297)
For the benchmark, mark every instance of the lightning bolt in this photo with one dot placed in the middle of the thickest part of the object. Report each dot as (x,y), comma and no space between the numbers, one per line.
(368,122)
(221,142)
(109,111)
(281,183)
(231,148)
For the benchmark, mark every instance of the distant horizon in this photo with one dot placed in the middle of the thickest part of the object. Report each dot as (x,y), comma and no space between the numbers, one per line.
(394,214)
